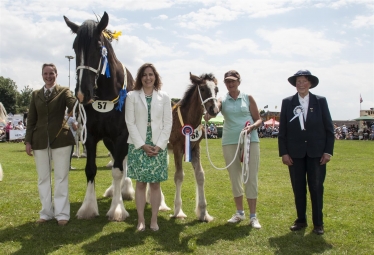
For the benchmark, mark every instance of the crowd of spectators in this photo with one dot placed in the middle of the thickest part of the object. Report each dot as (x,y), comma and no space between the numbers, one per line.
(268,131)
(366,132)
(5,131)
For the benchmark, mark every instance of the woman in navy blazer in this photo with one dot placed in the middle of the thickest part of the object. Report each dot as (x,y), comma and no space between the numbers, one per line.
(149,120)
(306,142)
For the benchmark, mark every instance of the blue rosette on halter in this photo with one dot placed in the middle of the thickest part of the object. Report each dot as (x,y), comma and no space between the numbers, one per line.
(121,100)
(104,54)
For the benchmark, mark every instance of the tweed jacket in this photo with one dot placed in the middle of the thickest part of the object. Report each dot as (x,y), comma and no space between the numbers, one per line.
(318,136)
(136,115)
(46,119)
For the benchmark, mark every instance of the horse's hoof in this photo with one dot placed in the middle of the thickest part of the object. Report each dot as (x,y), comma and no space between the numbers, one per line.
(206,218)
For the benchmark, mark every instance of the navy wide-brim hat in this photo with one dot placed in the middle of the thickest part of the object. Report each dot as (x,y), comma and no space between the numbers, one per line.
(313,79)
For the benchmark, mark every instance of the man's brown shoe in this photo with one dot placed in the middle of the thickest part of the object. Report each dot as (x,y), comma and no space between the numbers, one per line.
(297,226)
(62,222)
(318,230)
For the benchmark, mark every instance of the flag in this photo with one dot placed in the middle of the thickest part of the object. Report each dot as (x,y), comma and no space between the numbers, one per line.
(276,107)
(266,106)
(361,99)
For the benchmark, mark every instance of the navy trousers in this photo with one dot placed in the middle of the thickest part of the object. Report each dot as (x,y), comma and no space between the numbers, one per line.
(308,170)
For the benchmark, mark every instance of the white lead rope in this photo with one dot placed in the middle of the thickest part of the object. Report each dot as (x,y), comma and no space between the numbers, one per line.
(243,136)
(83,119)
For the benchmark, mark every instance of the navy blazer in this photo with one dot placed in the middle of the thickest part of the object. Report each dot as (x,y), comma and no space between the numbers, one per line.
(318,136)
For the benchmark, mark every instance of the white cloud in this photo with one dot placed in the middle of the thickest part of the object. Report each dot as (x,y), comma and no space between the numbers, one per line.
(206,18)
(148,26)
(163,17)
(363,21)
(218,47)
(302,42)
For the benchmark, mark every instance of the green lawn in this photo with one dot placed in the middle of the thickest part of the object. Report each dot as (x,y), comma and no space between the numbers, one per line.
(348,206)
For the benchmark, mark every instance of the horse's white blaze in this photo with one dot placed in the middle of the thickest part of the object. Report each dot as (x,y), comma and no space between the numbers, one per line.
(117,211)
(89,208)
(212,86)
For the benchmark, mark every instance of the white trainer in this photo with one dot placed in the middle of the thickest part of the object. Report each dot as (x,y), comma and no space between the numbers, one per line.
(254,223)
(236,218)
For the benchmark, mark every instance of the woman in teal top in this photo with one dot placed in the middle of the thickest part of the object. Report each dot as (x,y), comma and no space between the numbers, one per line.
(237,108)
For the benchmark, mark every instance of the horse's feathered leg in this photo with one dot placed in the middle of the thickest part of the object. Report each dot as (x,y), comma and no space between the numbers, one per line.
(117,211)
(201,211)
(178,180)
(89,208)
(127,191)
(163,206)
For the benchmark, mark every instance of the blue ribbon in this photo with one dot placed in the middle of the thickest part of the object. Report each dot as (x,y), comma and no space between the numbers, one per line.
(121,100)
(107,71)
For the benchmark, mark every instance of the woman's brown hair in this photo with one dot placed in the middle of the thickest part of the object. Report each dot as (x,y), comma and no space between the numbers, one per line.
(138,82)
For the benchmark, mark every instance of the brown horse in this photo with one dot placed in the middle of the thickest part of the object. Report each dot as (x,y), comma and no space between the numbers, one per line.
(200,96)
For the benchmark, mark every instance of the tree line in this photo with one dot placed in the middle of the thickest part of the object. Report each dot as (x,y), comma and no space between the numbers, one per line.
(16,102)
(13,100)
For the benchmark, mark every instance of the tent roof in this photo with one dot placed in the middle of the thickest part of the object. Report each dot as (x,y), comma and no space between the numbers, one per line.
(270,122)
(365,118)
(218,120)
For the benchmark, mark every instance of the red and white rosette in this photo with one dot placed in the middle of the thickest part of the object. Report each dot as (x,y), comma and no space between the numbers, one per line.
(187,131)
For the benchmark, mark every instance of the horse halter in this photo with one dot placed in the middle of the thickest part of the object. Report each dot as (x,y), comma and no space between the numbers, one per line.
(104,53)
(206,100)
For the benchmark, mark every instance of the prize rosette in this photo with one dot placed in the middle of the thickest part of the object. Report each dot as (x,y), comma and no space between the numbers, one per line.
(187,131)
(298,112)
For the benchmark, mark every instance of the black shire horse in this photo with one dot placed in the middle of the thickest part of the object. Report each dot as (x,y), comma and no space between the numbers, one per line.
(102,82)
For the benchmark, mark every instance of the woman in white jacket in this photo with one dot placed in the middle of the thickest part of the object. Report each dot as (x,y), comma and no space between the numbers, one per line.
(149,121)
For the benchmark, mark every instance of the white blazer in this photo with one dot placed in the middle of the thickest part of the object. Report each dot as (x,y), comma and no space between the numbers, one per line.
(136,115)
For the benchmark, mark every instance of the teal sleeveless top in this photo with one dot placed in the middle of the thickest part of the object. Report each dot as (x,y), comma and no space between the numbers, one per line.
(236,114)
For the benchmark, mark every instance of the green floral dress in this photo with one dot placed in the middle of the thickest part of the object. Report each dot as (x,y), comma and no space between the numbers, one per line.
(143,168)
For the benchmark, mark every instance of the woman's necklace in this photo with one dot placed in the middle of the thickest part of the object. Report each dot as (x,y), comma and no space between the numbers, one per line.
(148,95)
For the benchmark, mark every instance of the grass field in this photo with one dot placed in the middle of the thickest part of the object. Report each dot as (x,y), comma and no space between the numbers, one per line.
(348,210)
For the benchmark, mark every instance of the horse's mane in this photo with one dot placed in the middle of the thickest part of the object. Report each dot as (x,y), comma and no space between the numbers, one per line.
(85,35)
(191,88)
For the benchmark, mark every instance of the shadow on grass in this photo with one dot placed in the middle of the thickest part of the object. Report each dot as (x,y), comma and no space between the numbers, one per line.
(46,238)
(170,233)
(299,243)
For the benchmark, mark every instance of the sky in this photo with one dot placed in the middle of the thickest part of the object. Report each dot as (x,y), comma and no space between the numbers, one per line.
(266,41)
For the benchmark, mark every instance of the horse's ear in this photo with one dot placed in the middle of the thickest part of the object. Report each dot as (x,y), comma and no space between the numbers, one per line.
(103,23)
(74,27)
(195,79)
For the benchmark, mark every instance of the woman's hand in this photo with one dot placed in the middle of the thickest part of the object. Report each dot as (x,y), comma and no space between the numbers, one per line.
(151,151)
(287,160)
(28,149)
(325,158)
(249,128)
(207,117)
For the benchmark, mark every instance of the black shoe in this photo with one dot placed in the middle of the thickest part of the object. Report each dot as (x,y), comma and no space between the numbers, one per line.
(298,225)
(318,230)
